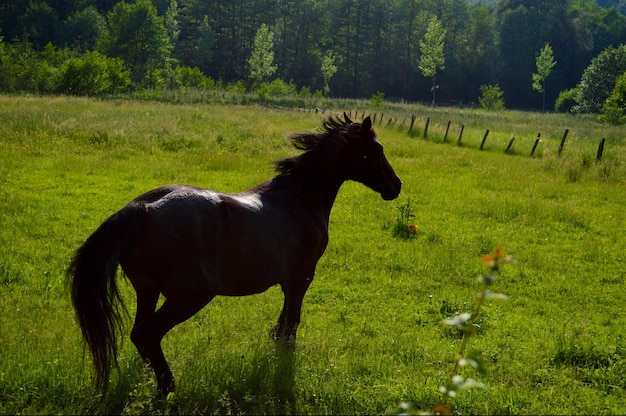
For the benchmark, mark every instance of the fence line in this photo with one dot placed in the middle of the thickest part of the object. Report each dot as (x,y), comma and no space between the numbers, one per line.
(509,147)
(391,122)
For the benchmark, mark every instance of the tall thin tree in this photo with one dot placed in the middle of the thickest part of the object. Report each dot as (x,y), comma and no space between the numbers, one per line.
(432,55)
(545,63)
(328,70)
(262,59)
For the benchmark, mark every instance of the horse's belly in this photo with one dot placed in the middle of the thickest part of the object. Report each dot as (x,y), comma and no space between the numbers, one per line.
(250,275)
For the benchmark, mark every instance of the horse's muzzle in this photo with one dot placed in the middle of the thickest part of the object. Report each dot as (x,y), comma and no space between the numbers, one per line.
(393,192)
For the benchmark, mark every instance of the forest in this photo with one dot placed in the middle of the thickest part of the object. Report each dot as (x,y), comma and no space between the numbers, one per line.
(339,48)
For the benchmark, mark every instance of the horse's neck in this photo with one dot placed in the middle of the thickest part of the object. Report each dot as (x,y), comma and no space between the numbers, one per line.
(321,192)
(315,194)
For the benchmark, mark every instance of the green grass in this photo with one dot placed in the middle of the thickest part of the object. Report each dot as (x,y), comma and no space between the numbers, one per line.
(371,335)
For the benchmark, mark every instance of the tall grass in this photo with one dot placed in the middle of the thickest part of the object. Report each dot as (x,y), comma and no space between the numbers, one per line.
(371,335)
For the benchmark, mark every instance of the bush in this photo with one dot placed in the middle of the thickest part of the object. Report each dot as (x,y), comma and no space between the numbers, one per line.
(59,70)
(599,78)
(614,109)
(276,88)
(566,101)
(491,97)
(377,100)
(24,69)
(237,87)
(192,77)
(612,114)
(93,74)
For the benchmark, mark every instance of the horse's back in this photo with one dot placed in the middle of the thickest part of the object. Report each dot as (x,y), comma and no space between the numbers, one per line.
(232,244)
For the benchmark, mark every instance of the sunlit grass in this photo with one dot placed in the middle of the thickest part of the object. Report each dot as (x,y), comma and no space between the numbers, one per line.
(371,335)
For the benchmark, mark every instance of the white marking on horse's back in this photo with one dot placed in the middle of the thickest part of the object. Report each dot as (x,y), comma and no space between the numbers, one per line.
(251,201)
(180,195)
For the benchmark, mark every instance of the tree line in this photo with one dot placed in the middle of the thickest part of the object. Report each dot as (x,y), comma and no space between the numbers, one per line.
(343,48)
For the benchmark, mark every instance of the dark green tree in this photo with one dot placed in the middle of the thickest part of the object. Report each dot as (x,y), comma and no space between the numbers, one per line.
(614,108)
(137,35)
(298,29)
(524,26)
(84,28)
(41,25)
(598,80)
(518,39)
(196,39)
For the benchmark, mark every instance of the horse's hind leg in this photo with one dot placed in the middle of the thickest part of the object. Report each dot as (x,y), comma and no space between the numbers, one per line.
(146,306)
(147,334)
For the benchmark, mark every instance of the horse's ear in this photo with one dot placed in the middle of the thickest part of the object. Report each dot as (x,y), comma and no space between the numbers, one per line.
(366,125)
(345,116)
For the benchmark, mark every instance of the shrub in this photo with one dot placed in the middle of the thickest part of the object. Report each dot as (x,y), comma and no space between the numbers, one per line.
(599,78)
(377,100)
(93,74)
(24,69)
(491,97)
(276,88)
(614,109)
(403,228)
(566,101)
(236,87)
(612,113)
(193,77)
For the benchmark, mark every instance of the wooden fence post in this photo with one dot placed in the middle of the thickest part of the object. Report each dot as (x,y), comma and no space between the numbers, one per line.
(508,148)
(461,134)
(426,127)
(413,117)
(600,150)
(532,152)
(563,141)
(445,136)
(482,144)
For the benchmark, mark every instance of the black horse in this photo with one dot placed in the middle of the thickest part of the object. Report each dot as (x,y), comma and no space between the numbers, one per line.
(191,244)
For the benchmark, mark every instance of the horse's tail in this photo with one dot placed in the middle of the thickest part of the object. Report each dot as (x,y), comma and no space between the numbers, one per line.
(95,295)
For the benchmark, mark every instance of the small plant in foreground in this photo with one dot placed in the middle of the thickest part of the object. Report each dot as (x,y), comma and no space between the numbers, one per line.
(466,323)
(403,227)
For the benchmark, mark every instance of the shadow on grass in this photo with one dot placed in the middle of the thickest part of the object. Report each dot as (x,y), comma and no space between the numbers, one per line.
(256,381)
(259,381)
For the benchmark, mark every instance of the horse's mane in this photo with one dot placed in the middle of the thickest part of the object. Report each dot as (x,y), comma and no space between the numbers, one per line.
(320,147)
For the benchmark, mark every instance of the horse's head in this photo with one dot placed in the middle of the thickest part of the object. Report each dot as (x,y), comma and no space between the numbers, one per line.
(344,150)
(365,162)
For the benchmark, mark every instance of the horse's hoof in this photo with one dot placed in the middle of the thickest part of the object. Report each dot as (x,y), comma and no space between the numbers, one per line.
(166,390)
(275,333)
(288,341)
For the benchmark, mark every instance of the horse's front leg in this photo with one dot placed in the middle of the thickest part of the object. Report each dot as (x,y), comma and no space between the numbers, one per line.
(287,325)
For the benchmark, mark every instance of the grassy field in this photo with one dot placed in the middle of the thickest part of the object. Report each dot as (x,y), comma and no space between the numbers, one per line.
(371,335)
